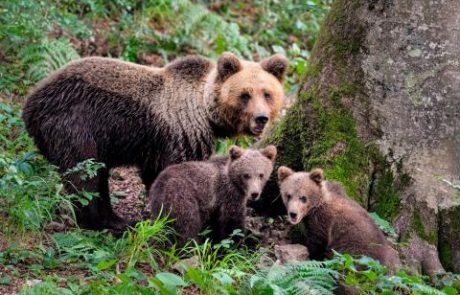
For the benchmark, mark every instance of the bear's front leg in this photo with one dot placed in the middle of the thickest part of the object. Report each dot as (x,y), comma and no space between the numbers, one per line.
(317,244)
(231,217)
(98,214)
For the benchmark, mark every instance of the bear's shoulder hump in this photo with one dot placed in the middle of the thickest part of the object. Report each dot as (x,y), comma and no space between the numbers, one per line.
(190,67)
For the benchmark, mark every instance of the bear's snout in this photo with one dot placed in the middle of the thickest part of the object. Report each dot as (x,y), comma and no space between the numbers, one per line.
(293,217)
(255,196)
(258,123)
(261,120)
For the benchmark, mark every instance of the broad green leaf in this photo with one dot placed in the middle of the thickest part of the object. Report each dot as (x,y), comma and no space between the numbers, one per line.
(103,265)
(170,279)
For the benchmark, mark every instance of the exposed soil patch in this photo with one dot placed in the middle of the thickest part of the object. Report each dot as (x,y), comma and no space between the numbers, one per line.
(270,231)
(20,277)
(3,240)
(128,192)
(15,283)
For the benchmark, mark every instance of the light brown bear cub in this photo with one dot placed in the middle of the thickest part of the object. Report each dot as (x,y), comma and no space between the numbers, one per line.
(211,193)
(331,219)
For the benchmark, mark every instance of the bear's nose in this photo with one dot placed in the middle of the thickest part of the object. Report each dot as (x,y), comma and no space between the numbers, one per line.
(254,195)
(262,119)
(293,215)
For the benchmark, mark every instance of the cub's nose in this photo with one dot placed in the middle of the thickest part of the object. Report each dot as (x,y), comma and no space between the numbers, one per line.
(261,120)
(254,196)
(293,215)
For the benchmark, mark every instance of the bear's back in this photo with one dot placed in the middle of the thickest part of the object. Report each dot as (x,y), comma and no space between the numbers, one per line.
(139,82)
(196,179)
(351,229)
(108,74)
(110,90)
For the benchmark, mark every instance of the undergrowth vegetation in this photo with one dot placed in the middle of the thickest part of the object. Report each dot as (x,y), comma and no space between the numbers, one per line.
(39,257)
(37,37)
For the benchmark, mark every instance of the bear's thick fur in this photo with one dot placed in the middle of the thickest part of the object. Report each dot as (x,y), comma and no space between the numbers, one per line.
(120,113)
(332,220)
(211,193)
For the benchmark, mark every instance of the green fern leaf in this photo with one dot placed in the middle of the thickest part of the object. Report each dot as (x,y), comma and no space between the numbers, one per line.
(47,57)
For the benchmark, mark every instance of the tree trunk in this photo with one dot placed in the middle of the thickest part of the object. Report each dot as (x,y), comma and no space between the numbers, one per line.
(380,112)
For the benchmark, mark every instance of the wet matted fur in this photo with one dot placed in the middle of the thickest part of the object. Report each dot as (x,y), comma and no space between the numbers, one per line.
(211,193)
(332,220)
(120,113)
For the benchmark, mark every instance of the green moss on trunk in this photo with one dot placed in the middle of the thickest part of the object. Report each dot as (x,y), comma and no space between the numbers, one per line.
(431,236)
(336,146)
(386,187)
(449,238)
(315,134)
(445,254)
(386,196)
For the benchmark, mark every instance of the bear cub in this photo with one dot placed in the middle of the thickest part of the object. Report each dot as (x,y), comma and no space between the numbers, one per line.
(211,193)
(332,220)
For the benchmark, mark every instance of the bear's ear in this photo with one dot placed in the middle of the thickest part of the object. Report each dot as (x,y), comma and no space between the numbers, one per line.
(284,172)
(235,152)
(227,65)
(276,65)
(317,175)
(269,152)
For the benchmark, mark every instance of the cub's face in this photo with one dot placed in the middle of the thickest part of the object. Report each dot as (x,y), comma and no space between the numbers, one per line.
(300,191)
(251,94)
(251,169)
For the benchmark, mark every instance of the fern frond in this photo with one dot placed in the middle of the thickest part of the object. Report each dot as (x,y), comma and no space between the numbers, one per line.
(307,277)
(425,289)
(47,57)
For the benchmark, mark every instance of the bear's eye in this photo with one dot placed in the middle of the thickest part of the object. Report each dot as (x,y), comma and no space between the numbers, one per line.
(245,97)
(246,176)
(303,199)
(267,96)
(289,197)
(261,175)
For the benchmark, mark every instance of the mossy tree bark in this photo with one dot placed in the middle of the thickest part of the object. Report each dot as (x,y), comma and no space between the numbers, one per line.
(380,112)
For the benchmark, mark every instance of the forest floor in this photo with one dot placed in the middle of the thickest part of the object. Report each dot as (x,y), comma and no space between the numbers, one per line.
(129,201)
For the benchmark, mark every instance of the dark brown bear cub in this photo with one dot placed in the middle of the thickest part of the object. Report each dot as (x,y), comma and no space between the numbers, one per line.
(212,193)
(121,114)
(332,220)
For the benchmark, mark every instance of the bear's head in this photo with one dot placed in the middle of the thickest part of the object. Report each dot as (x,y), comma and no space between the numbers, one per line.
(249,95)
(300,191)
(249,170)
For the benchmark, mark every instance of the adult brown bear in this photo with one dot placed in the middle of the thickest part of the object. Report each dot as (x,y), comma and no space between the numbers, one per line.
(120,113)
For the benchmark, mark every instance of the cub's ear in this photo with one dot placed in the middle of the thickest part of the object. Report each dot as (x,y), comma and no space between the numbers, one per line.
(317,175)
(276,65)
(269,152)
(227,65)
(284,172)
(235,152)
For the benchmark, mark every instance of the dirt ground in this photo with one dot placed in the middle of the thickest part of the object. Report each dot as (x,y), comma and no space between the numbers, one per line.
(126,186)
